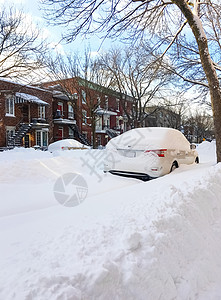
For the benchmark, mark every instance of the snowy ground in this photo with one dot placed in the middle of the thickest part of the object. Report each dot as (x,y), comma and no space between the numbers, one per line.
(127,240)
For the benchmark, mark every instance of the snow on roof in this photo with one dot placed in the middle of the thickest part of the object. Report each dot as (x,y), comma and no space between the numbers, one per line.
(101,111)
(30,98)
(25,85)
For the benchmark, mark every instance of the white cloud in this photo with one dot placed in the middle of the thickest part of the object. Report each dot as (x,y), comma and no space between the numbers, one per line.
(94,54)
(12,2)
(58,48)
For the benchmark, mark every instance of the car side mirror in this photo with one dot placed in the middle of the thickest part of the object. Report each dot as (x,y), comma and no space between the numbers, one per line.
(192,146)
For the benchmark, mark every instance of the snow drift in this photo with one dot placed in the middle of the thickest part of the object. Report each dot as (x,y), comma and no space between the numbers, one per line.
(154,240)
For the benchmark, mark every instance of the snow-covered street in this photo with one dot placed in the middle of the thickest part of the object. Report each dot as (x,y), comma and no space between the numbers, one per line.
(127,240)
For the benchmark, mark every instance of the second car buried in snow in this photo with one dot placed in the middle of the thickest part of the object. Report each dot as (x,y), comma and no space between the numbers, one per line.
(148,152)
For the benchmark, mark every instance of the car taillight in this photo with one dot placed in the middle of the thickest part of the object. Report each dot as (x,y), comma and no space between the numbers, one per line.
(159,152)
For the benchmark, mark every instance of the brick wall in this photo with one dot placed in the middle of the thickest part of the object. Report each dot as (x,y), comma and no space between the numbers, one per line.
(9,88)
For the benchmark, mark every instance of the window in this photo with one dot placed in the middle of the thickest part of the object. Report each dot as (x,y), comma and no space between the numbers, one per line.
(70,111)
(99,123)
(41,112)
(98,102)
(10,106)
(118,104)
(117,122)
(106,102)
(107,121)
(70,132)
(10,131)
(60,109)
(42,138)
(84,100)
(84,116)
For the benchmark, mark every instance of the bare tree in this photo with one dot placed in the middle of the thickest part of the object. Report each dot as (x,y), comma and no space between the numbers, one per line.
(176,107)
(198,127)
(133,71)
(21,48)
(167,17)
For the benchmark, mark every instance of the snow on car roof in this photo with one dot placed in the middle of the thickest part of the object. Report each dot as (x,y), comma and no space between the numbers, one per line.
(66,143)
(151,138)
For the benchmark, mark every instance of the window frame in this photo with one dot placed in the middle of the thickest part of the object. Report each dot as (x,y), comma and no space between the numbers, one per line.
(41,112)
(70,111)
(41,141)
(84,116)
(83,97)
(118,104)
(106,102)
(10,106)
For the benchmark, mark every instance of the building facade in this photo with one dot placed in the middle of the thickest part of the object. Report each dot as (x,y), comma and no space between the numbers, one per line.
(39,115)
(95,112)
(25,115)
(160,116)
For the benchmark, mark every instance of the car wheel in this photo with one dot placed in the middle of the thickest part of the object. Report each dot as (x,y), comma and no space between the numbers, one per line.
(197,160)
(174,166)
(145,178)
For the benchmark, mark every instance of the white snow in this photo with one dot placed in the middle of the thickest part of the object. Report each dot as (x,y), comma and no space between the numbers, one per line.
(128,239)
(66,144)
(30,98)
(151,138)
(207,151)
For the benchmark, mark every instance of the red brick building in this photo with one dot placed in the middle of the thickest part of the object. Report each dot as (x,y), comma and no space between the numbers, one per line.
(25,115)
(84,101)
(31,115)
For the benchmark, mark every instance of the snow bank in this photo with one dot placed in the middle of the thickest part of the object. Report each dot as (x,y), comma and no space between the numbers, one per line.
(128,240)
(207,151)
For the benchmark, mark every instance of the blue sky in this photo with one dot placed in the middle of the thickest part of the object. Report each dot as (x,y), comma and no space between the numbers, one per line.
(32,9)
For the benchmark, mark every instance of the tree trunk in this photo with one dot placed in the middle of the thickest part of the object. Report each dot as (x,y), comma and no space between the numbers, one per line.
(93,131)
(213,82)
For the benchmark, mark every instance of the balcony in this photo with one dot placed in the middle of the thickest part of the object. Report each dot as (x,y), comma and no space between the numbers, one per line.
(58,114)
(104,128)
(39,123)
(103,111)
(64,117)
(70,115)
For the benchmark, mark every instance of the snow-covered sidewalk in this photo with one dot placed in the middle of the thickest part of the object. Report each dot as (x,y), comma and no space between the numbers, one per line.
(128,239)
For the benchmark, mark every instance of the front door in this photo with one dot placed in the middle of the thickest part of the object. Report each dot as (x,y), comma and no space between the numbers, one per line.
(60,133)
(27,141)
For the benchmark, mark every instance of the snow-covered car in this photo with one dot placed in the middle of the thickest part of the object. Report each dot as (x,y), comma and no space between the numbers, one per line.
(148,152)
(66,144)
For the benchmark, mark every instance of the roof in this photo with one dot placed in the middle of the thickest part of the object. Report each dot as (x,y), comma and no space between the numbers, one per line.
(35,87)
(86,84)
(97,87)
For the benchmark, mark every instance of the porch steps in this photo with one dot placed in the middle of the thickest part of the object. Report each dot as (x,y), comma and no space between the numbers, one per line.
(15,140)
(111,133)
(79,135)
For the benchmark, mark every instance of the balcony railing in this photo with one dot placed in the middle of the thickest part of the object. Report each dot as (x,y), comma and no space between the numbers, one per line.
(105,127)
(63,114)
(70,115)
(39,120)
